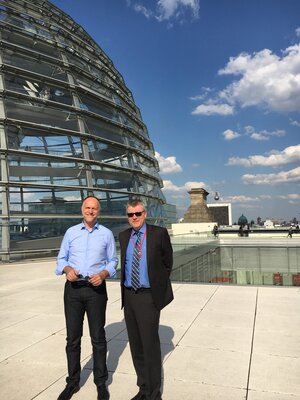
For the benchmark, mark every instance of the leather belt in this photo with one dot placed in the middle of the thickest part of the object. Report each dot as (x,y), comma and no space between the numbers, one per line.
(82,283)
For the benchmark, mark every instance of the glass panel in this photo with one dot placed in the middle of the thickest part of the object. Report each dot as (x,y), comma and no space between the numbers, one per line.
(45,201)
(104,129)
(107,153)
(82,51)
(41,114)
(242,257)
(100,108)
(38,234)
(11,20)
(135,142)
(38,66)
(37,89)
(145,165)
(30,43)
(93,87)
(27,25)
(97,88)
(41,170)
(114,204)
(87,67)
(30,139)
(2,189)
(272,259)
(107,178)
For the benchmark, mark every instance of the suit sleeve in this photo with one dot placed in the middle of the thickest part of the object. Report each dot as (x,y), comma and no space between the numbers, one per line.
(167,252)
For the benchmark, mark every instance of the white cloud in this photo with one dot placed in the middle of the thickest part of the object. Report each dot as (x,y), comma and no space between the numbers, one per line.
(177,191)
(204,93)
(292,176)
(143,10)
(213,109)
(240,199)
(278,133)
(259,136)
(230,135)
(167,10)
(169,186)
(174,8)
(266,79)
(263,135)
(249,129)
(291,196)
(294,196)
(168,165)
(261,79)
(298,32)
(295,123)
(288,155)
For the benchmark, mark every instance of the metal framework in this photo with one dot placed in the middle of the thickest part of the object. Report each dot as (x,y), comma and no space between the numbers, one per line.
(69,127)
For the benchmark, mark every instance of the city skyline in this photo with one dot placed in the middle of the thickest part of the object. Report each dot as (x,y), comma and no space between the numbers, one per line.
(218,85)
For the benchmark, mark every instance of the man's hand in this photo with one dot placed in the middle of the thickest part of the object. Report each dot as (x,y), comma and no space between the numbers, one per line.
(71,273)
(97,279)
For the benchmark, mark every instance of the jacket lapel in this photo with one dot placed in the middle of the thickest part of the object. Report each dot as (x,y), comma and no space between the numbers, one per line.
(128,233)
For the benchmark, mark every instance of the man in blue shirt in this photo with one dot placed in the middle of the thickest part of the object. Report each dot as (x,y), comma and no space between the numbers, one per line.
(146,264)
(87,257)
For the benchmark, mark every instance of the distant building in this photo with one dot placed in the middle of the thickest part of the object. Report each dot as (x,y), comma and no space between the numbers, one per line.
(201,212)
(198,210)
(221,213)
(268,224)
(259,221)
(242,220)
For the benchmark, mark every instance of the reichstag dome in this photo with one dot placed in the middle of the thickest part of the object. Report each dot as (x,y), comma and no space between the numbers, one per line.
(69,128)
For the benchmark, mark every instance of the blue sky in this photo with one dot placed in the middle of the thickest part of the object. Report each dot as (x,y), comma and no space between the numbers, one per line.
(218,85)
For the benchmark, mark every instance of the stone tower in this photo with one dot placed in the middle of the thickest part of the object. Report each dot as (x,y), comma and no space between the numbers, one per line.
(198,210)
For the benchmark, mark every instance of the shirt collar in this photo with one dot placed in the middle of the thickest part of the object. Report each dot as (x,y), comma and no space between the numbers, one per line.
(96,226)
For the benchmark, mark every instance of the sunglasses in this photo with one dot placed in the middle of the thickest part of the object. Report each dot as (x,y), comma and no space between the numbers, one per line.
(138,214)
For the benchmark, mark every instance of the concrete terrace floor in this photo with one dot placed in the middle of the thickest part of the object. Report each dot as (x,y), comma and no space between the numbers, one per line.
(218,342)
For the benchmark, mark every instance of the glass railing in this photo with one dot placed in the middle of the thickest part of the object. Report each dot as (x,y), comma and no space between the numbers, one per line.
(251,262)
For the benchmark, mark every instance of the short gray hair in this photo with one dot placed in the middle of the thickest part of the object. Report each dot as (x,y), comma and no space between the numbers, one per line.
(136,202)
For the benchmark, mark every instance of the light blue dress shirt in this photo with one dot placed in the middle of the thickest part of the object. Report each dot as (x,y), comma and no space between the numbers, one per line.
(144,278)
(88,252)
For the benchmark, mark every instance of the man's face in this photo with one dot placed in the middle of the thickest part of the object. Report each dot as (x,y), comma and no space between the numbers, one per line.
(136,221)
(90,211)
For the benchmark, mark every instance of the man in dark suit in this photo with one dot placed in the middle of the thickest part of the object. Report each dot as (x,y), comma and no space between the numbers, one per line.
(146,264)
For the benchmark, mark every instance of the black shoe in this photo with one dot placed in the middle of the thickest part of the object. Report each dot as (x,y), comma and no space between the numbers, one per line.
(139,396)
(103,393)
(68,392)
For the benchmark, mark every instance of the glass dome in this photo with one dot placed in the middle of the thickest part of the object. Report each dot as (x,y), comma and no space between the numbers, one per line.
(242,220)
(69,128)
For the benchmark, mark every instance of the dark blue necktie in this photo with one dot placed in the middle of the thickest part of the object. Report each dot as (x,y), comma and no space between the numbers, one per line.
(135,266)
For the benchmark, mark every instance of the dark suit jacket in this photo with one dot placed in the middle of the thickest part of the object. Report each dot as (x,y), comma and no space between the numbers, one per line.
(159,262)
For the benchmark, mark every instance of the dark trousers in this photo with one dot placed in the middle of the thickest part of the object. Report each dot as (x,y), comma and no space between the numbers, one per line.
(77,301)
(142,321)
